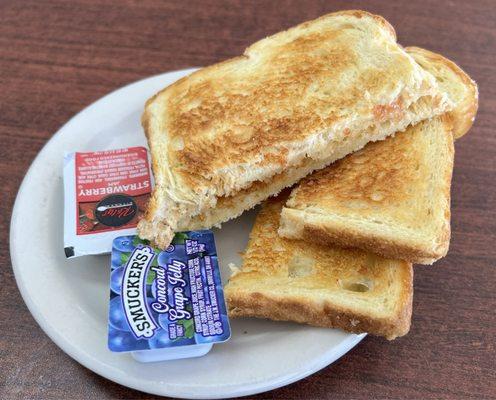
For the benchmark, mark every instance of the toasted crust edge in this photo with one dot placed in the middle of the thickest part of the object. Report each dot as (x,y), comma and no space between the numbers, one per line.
(380,245)
(262,305)
(463,115)
(145,227)
(145,123)
(359,14)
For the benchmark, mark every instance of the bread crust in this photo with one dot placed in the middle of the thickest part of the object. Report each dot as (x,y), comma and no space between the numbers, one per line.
(380,245)
(465,108)
(326,315)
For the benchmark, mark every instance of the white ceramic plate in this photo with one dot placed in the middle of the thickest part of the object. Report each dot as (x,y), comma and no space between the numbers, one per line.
(68,298)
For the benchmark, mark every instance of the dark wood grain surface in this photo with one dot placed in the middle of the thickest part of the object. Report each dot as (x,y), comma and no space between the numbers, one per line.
(56,57)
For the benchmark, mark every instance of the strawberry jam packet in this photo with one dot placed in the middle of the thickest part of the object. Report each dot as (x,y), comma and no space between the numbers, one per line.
(166,304)
(105,194)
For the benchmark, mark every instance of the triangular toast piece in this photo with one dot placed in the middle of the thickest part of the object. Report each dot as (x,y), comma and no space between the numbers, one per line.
(294,280)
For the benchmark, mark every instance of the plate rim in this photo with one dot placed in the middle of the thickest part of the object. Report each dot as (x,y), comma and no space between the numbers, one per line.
(93,364)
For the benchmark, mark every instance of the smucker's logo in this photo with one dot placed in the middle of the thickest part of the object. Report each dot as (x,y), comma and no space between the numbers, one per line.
(134,292)
(116,210)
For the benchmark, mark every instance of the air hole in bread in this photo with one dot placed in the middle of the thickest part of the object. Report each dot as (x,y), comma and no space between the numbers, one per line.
(177,143)
(377,196)
(242,134)
(357,286)
(278,248)
(300,266)
(193,104)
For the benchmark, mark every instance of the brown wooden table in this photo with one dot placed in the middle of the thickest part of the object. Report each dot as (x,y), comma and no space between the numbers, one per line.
(57,57)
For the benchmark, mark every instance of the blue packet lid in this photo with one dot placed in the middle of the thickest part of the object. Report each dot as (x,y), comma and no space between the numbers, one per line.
(169,301)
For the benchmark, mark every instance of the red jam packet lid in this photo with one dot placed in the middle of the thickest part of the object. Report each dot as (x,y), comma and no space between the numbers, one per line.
(105,194)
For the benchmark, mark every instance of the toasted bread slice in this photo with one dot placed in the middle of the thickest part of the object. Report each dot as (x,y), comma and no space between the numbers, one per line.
(294,280)
(450,78)
(391,197)
(306,93)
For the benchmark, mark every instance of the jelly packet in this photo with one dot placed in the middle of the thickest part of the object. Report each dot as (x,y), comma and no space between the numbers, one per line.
(105,193)
(166,304)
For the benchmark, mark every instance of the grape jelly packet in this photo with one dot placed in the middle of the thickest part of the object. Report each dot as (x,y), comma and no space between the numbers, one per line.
(105,193)
(166,304)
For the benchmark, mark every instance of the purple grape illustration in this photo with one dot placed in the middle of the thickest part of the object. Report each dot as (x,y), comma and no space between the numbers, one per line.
(164,258)
(163,321)
(123,341)
(124,244)
(116,280)
(115,261)
(161,340)
(117,318)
